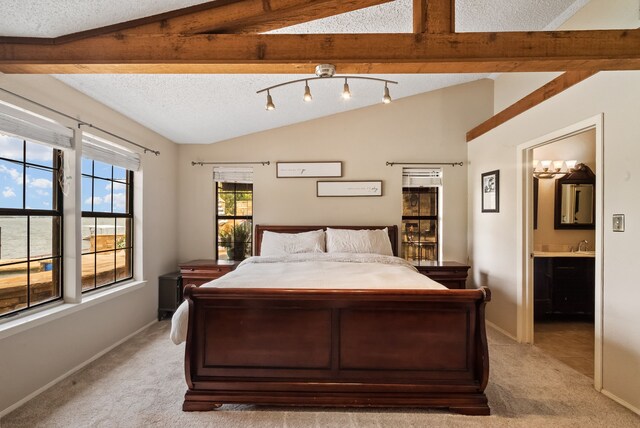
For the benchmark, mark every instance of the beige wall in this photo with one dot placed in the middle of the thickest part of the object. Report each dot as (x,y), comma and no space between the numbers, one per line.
(581,147)
(493,238)
(33,358)
(424,128)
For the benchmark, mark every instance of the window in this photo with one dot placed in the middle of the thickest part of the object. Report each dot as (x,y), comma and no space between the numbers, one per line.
(30,225)
(234,226)
(421,194)
(107,222)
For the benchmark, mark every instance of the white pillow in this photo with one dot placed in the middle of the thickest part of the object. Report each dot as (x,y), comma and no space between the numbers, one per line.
(374,241)
(279,244)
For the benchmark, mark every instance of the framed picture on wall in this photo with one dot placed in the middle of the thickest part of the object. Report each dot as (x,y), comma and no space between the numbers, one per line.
(491,192)
(308,169)
(349,188)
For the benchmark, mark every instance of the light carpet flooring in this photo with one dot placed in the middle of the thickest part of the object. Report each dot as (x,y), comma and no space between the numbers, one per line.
(141,384)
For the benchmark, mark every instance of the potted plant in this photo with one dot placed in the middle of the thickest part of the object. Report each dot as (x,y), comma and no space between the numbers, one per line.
(234,239)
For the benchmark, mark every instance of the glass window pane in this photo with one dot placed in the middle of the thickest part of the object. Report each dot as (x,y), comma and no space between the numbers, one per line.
(87,166)
(119,198)
(101,169)
(13,239)
(88,234)
(39,154)
(123,264)
(11,148)
(39,189)
(101,195)
(119,174)
(244,204)
(106,234)
(410,203)
(428,202)
(226,203)
(105,268)
(44,280)
(88,272)
(123,233)
(87,191)
(44,236)
(13,287)
(11,178)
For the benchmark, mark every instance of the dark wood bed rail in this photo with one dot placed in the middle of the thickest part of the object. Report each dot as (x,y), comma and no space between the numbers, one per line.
(337,348)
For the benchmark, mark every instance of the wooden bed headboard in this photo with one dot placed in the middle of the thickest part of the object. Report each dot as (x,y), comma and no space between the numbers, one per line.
(393,233)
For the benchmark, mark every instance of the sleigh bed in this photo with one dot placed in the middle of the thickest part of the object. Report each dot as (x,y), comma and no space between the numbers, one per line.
(389,347)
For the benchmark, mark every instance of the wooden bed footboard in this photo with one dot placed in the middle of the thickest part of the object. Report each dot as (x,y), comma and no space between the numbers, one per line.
(411,348)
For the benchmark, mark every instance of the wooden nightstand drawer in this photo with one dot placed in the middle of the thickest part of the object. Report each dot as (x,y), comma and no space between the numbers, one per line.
(198,272)
(449,274)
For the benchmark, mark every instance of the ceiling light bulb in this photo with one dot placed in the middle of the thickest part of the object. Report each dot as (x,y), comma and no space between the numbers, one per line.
(535,164)
(557,165)
(545,164)
(346,93)
(307,92)
(386,98)
(270,104)
(571,164)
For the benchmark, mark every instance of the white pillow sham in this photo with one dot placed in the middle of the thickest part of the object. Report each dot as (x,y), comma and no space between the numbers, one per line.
(375,241)
(279,244)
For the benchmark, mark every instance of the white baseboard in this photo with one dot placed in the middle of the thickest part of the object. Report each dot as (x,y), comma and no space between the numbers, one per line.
(621,401)
(506,333)
(70,372)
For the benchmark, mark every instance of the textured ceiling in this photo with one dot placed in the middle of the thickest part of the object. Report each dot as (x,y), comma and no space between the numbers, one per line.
(204,109)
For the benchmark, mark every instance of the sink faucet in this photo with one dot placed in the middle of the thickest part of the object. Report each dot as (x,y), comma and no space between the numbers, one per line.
(585,242)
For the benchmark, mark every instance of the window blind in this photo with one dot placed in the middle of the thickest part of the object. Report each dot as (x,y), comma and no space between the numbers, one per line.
(104,151)
(233,175)
(17,122)
(421,177)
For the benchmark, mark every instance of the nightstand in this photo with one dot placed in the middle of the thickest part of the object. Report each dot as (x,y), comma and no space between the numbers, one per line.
(198,272)
(449,274)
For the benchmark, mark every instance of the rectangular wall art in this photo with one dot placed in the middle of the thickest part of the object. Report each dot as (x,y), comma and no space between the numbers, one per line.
(350,188)
(308,169)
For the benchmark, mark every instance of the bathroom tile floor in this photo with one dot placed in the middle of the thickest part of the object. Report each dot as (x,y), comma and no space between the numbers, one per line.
(570,342)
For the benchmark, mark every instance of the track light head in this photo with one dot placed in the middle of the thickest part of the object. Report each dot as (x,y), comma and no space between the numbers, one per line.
(346,92)
(307,92)
(386,98)
(270,105)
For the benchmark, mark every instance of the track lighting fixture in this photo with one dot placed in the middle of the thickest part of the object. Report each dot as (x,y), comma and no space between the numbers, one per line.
(346,93)
(307,92)
(327,71)
(270,104)
(386,98)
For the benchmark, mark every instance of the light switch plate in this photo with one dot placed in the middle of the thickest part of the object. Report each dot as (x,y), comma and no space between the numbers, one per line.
(618,222)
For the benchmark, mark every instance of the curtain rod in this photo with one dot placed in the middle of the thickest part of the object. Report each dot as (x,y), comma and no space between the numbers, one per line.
(81,123)
(263,163)
(425,163)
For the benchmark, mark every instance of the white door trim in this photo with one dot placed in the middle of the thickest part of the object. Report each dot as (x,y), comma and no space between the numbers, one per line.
(524,223)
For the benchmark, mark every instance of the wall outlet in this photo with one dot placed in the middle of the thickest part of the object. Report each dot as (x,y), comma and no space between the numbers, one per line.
(618,222)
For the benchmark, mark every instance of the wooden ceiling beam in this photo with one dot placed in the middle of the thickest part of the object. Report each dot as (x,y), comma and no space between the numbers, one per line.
(540,95)
(351,53)
(252,16)
(434,16)
(217,17)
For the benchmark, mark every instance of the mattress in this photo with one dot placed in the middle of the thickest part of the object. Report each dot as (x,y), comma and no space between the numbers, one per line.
(314,271)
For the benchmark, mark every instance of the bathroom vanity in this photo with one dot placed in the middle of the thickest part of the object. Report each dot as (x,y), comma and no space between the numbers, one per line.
(564,283)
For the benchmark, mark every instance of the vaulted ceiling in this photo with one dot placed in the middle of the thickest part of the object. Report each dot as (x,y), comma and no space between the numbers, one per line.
(207,108)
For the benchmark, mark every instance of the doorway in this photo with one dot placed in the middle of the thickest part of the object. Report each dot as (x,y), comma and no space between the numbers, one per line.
(563,249)
(560,291)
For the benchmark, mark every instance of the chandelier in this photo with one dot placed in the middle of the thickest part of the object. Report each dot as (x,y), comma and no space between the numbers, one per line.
(325,72)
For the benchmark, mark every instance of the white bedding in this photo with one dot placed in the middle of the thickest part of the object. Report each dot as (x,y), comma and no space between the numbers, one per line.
(314,271)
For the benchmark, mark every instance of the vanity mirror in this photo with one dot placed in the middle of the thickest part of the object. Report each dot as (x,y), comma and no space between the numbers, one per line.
(575,199)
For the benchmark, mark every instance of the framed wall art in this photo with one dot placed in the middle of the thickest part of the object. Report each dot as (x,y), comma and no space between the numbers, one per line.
(308,169)
(349,188)
(491,192)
